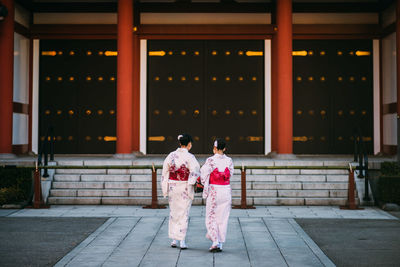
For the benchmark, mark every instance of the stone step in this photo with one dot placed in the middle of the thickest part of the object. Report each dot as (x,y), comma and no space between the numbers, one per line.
(300,201)
(234,185)
(196,201)
(235,193)
(235,178)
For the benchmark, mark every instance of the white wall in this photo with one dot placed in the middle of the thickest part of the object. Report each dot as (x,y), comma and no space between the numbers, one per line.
(21,69)
(389,88)
(205,18)
(335,18)
(75,18)
(20,129)
(21,88)
(35,97)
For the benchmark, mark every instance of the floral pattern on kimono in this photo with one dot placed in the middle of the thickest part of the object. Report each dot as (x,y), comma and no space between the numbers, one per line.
(180,192)
(219,197)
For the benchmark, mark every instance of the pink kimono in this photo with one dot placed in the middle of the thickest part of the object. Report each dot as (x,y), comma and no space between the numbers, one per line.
(215,176)
(179,174)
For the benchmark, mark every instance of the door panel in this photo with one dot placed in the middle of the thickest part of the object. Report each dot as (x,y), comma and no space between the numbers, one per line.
(208,89)
(332,95)
(175,94)
(77,94)
(235,95)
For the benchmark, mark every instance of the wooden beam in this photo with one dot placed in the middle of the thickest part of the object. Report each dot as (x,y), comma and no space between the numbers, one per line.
(185,6)
(390,108)
(20,108)
(21,29)
(205,29)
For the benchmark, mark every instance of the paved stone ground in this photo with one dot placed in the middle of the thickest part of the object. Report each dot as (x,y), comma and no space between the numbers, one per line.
(356,242)
(143,241)
(41,241)
(132,236)
(330,212)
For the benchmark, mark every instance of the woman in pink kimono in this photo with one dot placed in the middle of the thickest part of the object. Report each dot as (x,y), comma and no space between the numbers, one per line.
(215,176)
(179,174)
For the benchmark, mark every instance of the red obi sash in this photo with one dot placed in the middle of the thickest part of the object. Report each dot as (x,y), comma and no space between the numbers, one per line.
(181,174)
(220,178)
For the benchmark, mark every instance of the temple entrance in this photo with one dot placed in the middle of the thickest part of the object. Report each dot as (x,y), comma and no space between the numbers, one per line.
(208,89)
(332,95)
(77,94)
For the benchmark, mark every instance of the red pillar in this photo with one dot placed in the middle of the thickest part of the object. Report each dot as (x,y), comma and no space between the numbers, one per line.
(284,77)
(6,78)
(124,76)
(398,75)
(398,56)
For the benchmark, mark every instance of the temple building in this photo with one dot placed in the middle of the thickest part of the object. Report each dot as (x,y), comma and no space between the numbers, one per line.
(123,76)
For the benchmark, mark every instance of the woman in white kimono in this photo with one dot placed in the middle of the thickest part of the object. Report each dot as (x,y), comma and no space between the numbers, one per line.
(215,176)
(179,174)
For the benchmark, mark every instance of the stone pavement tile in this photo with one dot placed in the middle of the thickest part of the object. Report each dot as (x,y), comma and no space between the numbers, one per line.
(6,212)
(160,253)
(293,248)
(235,252)
(238,213)
(97,251)
(197,254)
(311,244)
(258,212)
(261,247)
(133,248)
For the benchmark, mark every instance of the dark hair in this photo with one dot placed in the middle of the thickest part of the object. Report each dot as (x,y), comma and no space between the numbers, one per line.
(185,139)
(221,144)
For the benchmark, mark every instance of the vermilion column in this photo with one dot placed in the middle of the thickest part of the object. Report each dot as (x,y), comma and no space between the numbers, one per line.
(398,76)
(284,77)
(124,76)
(6,78)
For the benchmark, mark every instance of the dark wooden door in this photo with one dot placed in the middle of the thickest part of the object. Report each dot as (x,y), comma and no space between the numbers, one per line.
(209,89)
(77,94)
(332,95)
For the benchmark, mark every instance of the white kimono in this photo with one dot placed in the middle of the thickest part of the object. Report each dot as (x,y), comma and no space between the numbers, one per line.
(219,197)
(180,193)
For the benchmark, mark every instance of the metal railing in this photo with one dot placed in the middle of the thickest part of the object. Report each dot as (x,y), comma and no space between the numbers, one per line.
(154,168)
(361,157)
(46,150)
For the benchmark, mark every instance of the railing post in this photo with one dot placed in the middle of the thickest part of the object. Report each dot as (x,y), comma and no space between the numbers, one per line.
(46,160)
(366,187)
(351,197)
(360,160)
(52,144)
(243,200)
(154,200)
(38,202)
(355,147)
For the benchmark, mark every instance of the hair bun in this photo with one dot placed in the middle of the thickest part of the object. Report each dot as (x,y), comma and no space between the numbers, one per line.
(179,137)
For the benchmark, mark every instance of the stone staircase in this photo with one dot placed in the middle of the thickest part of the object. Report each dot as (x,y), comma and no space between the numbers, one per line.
(264,187)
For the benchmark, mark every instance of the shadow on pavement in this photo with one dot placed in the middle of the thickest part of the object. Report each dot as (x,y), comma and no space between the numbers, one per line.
(42,241)
(351,242)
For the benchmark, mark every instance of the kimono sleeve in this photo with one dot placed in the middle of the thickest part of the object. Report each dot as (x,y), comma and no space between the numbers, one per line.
(205,170)
(231,167)
(194,169)
(165,175)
